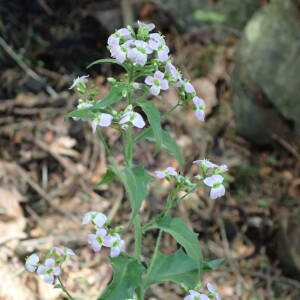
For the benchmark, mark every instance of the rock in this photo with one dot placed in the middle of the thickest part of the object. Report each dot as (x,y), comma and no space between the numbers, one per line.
(288,246)
(233,13)
(265,80)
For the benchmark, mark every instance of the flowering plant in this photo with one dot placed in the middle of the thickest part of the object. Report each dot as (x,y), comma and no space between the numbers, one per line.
(149,70)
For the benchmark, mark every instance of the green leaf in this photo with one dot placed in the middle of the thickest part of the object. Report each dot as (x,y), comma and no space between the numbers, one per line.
(167,143)
(209,16)
(213,264)
(127,277)
(108,177)
(178,268)
(85,113)
(154,119)
(114,96)
(184,236)
(58,286)
(106,60)
(135,180)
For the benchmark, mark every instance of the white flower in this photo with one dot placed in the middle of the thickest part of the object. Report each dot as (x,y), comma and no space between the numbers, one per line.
(158,44)
(157,83)
(64,251)
(116,244)
(32,262)
(222,169)
(171,69)
(97,218)
(137,52)
(49,270)
(149,26)
(213,291)
(205,163)
(215,182)
(170,171)
(196,296)
(98,240)
(132,117)
(118,52)
(200,107)
(102,120)
(188,88)
(78,80)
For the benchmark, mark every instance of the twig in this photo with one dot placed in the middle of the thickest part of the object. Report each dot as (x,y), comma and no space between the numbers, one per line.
(126,6)
(286,145)
(25,68)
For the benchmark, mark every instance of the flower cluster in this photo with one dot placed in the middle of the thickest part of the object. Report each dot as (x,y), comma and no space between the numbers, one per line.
(50,269)
(103,236)
(209,174)
(193,295)
(141,48)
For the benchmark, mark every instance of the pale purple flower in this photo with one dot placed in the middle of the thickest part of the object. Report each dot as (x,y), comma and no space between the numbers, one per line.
(213,291)
(205,163)
(137,56)
(49,270)
(98,240)
(32,262)
(97,218)
(132,117)
(78,80)
(64,251)
(116,244)
(137,52)
(188,88)
(124,32)
(157,83)
(222,169)
(102,120)
(157,43)
(200,107)
(217,188)
(196,296)
(118,52)
(149,26)
(170,171)
(171,69)
(114,39)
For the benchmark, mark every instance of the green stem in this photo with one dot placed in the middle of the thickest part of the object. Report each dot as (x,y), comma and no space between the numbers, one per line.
(64,289)
(169,111)
(137,237)
(155,253)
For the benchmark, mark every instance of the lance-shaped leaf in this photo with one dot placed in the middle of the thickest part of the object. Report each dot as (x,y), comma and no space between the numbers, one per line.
(127,277)
(213,264)
(107,60)
(135,180)
(184,236)
(84,113)
(114,96)
(167,143)
(154,119)
(177,267)
(108,176)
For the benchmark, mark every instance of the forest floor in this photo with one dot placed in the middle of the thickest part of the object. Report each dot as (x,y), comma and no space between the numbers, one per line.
(50,167)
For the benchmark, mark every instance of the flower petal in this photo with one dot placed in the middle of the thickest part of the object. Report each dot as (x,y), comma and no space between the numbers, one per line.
(149,80)
(217,192)
(138,121)
(99,219)
(154,90)
(50,263)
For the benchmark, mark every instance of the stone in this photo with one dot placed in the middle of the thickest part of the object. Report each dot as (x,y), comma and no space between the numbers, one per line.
(265,80)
